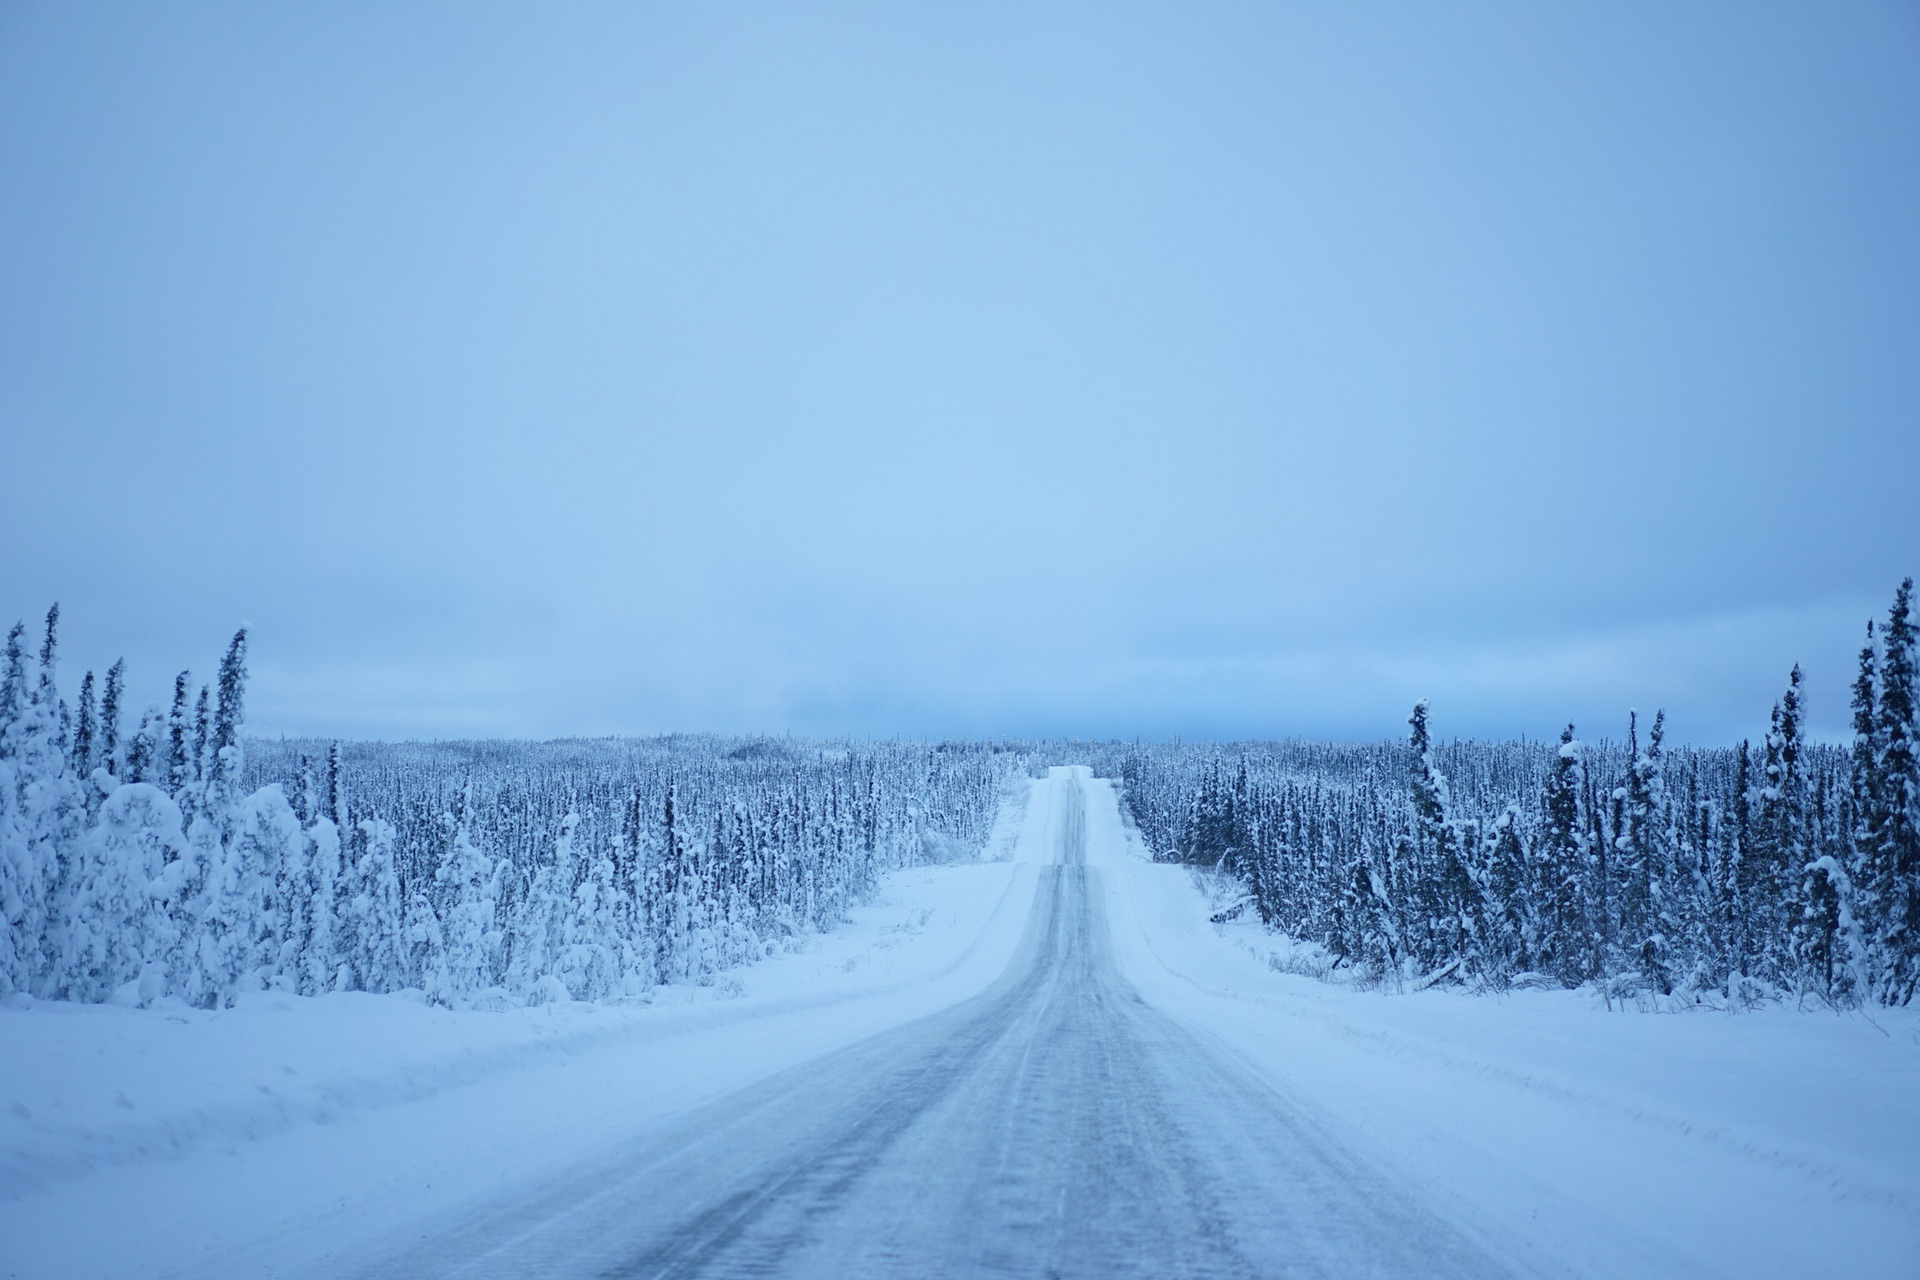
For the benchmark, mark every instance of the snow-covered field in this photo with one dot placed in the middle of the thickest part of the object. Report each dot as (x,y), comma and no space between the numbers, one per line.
(1568,1139)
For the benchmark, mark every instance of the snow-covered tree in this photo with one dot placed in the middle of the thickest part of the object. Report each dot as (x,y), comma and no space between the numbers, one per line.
(109,757)
(119,932)
(1894,856)
(1562,865)
(467,893)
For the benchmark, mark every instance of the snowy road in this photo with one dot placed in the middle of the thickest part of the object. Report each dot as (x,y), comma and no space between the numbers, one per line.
(1055,1125)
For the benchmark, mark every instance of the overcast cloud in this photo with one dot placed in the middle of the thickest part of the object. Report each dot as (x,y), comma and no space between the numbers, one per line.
(1215,371)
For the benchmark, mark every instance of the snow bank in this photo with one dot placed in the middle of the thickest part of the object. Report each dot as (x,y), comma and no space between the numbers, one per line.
(1575,1140)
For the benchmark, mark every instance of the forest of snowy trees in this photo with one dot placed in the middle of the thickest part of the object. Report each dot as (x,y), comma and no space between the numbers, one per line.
(1790,869)
(174,858)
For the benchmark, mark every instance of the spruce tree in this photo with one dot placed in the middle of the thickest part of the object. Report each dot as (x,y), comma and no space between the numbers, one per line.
(109,756)
(83,729)
(141,749)
(1740,881)
(202,735)
(21,891)
(334,802)
(1863,773)
(1643,848)
(224,762)
(1822,932)
(467,893)
(179,766)
(1560,862)
(1897,789)
(1450,904)
(1781,845)
(52,807)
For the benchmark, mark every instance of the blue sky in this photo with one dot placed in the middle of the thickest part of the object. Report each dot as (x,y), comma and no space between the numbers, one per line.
(1038,369)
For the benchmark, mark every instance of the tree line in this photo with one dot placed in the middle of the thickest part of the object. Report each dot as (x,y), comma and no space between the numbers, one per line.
(1787,868)
(177,858)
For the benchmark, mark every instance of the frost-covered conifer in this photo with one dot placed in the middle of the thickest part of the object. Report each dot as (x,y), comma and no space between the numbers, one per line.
(1642,848)
(83,729)
(467,891)
(202,735)
(248,923)
(1896,787)
(119,932)
(22,893)
(1560,858)
(51,808)
(588,963)
(224,760)
(1823,932)
(180,760)
(315,907)
(1447,907)
(109,757)
(374,941)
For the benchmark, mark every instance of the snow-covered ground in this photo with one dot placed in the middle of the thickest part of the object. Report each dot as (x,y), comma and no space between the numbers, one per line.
(1569,1140)
(1585,1141)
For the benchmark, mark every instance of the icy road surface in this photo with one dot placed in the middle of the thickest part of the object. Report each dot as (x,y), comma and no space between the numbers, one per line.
(1055,1125)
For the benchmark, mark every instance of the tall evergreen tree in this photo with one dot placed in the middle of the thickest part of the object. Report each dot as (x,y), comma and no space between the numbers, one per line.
(1863,774)
(202,735)
(180,766)
(83,729)
(467,893)
(1452,909)
(1643,850)
(22,901)
(1560,858)
(1781,850)
(225,763)
(143,748)
(1897,790)
(110,746)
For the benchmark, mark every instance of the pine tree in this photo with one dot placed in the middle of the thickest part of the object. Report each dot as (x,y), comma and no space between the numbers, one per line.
(1509,911)
(1741,881)
(1646,927)
(1451,905)
(51,809)
(1560,861)
(120,931)
(224,763)
(467,887)
(335,804)
(1897,806)
(141,749)
(180,761)
(537,935)
(317,890)
(588,963)
(374,925)
(1822,937)
(1781,845)
(83,729)
(22,903)
(249,919)
(109,755)
(202,734)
